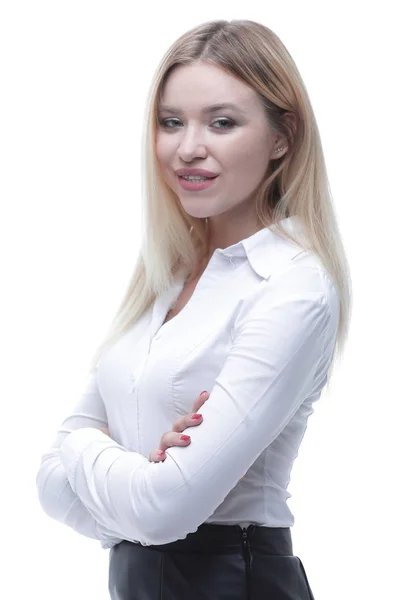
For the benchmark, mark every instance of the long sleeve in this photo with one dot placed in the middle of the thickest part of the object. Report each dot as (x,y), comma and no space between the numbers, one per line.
(56,496)
(282,344)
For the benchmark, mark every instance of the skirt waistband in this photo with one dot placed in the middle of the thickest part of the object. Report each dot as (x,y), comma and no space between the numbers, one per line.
(210,538)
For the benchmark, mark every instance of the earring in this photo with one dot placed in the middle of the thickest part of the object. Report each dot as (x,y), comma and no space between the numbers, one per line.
(278,149)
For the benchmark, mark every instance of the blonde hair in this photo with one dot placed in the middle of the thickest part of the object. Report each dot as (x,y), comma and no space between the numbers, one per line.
(296,184)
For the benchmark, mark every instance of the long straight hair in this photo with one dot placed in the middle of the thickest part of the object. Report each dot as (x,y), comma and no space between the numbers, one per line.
(295,184)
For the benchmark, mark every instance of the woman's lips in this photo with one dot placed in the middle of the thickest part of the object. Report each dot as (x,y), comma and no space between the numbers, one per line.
(195,186)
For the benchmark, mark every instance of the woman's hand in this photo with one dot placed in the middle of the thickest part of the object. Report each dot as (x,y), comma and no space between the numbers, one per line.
(173,437)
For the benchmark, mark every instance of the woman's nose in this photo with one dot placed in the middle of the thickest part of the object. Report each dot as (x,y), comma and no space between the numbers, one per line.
(192,145)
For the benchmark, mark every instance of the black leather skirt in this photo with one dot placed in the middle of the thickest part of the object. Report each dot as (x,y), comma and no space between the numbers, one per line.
(217,562)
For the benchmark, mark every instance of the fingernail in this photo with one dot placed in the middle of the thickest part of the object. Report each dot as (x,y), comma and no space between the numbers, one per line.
(204,392)
(196,416)
(160,452)
(185,437)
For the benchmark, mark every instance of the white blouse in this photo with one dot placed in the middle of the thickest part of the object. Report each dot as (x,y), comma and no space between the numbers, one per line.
(258,334)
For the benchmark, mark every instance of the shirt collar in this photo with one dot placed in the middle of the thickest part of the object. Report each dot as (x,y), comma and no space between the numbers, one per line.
(265,249)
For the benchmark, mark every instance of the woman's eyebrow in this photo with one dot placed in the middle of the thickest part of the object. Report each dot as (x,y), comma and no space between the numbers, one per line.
(207,109)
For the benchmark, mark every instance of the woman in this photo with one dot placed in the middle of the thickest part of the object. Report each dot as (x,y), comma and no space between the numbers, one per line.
(241,289)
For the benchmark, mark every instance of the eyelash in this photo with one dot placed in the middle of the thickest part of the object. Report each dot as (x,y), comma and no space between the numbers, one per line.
(230,122)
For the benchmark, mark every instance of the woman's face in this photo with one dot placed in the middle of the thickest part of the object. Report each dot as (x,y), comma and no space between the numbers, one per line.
(235,143)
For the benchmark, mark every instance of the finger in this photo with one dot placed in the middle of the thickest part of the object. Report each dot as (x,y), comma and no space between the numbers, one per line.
(155,456)
(200,401)
(186,420)
(171,438)
(168,440)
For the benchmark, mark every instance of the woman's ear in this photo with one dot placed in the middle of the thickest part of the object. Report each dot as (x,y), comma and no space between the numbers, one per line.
(284,141)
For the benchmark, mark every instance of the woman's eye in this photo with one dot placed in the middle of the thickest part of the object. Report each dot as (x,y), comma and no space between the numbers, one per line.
(164,122)
(228,122)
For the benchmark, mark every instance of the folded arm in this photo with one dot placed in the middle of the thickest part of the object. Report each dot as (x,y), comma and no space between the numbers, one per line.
(56,496)
(280,342)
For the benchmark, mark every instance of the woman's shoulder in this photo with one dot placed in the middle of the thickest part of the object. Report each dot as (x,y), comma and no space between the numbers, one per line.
(307,270)
(300,280)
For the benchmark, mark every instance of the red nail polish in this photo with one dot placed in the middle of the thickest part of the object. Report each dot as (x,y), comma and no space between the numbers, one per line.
(196,416)
(185,437)
(160,452)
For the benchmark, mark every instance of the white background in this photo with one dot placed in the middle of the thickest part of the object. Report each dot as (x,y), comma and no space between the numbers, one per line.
(74,79)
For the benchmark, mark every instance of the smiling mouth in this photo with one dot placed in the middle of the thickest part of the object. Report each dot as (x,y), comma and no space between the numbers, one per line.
(196,185)
(201,178)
